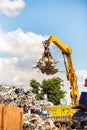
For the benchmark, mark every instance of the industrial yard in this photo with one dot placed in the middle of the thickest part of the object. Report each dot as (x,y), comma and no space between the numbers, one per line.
(43,71)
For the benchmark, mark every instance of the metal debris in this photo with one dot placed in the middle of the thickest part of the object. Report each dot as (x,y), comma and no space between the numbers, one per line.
(46,63)
(33,118)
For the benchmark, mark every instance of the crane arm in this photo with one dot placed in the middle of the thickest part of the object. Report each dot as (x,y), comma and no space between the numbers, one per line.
(64,48)
(70,73)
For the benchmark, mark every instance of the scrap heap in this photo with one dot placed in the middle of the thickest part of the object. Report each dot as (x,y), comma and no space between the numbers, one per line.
(32,119)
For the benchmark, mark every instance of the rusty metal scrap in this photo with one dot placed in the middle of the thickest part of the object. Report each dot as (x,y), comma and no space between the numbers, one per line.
(46,63)
(32,118)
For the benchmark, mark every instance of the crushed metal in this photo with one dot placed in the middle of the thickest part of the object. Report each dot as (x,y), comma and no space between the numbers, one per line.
(46,64)
(32,119)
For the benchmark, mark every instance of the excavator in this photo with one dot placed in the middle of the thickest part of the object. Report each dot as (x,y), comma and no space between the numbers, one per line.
(47,65)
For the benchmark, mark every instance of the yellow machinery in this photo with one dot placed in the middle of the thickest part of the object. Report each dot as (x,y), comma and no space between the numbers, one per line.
(47,63)
(60,110)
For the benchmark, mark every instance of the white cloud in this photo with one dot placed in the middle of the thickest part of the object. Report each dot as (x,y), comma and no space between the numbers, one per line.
(81,76)
(18,52)
(82,73)
(11,7)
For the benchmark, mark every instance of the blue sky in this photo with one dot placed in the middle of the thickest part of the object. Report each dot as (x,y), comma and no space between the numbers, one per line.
(31,22)
(64,18)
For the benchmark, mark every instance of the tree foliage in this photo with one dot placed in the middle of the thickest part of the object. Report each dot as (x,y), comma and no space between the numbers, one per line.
(51,87)
(35,86)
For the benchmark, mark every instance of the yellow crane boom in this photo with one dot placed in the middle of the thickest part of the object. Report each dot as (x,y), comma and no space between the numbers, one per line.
(47,64)
(70,72)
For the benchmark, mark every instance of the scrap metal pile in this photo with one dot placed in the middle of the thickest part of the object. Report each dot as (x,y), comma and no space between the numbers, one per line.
(14,95)
(46,63)
(32,118)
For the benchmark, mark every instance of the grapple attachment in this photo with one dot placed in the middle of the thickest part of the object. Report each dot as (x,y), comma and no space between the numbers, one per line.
(46,63)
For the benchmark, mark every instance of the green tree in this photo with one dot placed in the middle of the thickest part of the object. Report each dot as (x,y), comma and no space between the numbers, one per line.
(35,86)
(36,89)
(52,87)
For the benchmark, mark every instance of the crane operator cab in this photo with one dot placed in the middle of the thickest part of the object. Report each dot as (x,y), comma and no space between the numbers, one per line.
(80,117)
